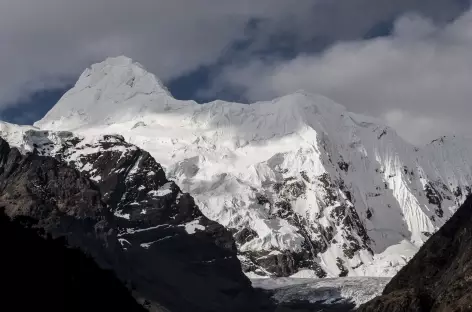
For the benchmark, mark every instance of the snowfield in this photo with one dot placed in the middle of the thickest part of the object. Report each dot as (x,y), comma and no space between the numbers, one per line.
(307,187)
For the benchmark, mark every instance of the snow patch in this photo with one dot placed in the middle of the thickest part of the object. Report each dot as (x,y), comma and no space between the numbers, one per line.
(193,226)
(162,191)
(119,214)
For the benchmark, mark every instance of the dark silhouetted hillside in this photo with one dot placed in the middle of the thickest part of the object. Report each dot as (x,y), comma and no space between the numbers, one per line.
(42,274)
(439,277)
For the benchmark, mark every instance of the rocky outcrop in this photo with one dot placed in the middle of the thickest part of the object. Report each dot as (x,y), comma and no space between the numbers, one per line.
(439,277)
(113,201)
(343,224)
(60,199)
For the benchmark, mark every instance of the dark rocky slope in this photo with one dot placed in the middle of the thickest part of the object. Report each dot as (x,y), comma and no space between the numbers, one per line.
(43,274)
(439,277)
(122,211)
(60,200)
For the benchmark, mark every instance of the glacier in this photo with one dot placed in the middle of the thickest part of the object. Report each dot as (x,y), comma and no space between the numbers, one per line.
(328,291)
(308,188)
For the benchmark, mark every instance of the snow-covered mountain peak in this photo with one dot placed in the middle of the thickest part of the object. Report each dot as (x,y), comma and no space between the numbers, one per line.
(303,183)
(120,70)
(119,90)
(114,90)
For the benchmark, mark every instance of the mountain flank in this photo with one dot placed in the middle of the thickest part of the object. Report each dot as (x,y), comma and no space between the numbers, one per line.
(439,277)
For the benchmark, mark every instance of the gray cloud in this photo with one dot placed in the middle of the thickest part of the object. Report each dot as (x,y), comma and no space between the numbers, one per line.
(43,41)
(418,79)
(47,43)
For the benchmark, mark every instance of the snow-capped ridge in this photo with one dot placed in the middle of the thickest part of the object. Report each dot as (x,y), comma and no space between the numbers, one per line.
(303,183)
(104,93)
(119,90)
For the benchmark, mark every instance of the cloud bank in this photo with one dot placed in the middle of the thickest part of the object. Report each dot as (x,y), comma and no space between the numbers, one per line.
(419,79)
(47,43)
(264,48)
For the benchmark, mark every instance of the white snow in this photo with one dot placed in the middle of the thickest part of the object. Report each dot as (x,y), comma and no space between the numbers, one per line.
(147,245)
(227,154)
(14,134)
(193,226)
(162,191)
(120,214)
(389,262)
(123,241)
(132,231)
(96,178)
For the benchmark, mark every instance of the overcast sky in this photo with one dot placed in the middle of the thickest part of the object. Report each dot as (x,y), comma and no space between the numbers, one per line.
(405,61)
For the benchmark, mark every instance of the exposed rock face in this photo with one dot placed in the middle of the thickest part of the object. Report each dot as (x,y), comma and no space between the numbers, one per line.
(439,277)
(62,200)
(43,274)
(119,207)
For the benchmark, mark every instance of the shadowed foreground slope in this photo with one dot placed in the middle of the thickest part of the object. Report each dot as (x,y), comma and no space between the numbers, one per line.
(43,274)
(131,220)
(439,277)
